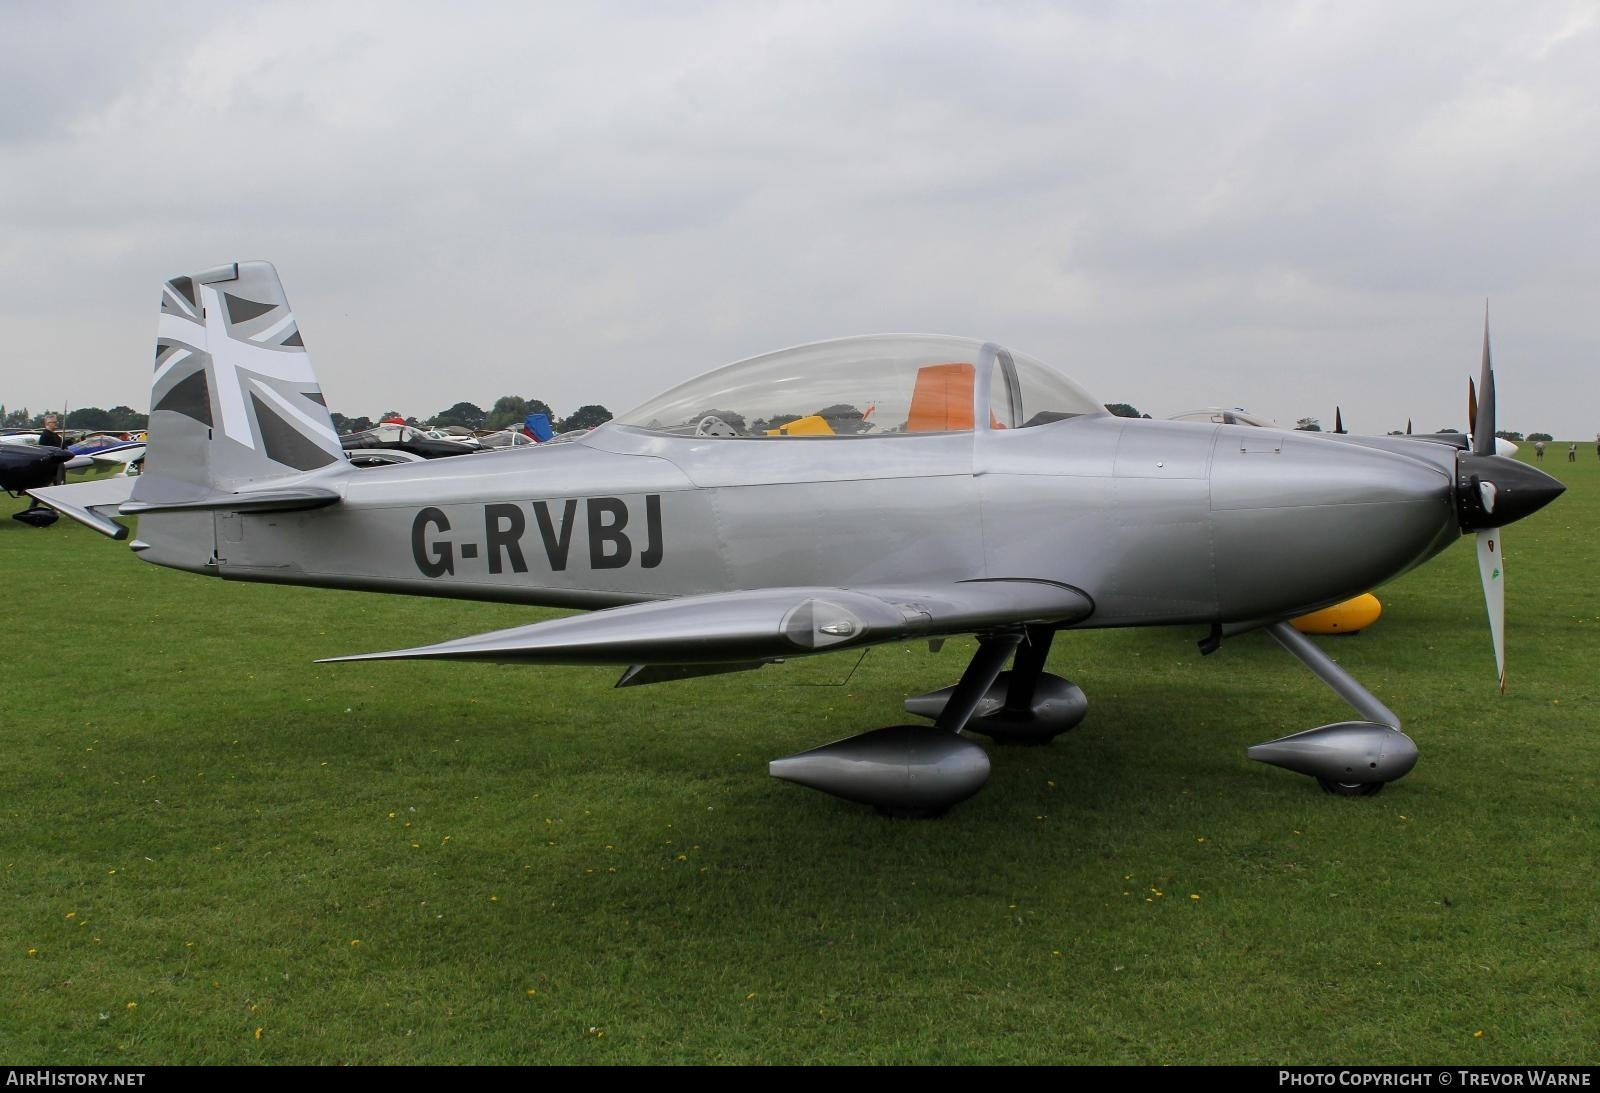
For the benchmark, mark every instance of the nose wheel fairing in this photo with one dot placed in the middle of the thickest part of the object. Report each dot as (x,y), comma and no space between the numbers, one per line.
(1351,758)
(1349,753)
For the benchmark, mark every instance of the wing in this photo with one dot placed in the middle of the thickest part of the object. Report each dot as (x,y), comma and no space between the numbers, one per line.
(83,501)
(743,629)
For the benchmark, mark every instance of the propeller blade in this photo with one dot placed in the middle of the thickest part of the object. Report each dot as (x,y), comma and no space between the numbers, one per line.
(1408,426)
(1472,407)
(1338,420)
(1483,428)
(1491,568)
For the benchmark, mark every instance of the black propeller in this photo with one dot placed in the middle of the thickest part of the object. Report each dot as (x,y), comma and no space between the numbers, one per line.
(1483,411)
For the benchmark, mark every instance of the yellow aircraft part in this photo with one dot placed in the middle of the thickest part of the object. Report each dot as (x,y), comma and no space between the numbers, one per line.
(1349,617)
(804,426)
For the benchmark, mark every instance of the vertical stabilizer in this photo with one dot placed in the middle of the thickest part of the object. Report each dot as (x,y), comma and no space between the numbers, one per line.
(234,408)
(234,401)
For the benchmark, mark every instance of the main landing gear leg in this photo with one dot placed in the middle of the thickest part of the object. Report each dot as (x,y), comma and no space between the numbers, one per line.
(1026,705)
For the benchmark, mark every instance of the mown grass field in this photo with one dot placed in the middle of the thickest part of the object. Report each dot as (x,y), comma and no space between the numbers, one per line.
(215,851)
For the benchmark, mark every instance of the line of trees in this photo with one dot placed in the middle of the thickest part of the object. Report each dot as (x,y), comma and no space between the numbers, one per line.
(118,418)
(508,410)
(1124,409)
(1310,424)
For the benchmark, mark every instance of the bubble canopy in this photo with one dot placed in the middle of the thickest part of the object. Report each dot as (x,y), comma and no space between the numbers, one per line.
(878,385)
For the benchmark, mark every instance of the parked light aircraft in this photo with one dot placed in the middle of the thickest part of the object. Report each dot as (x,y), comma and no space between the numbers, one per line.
(945,486)
(25,466)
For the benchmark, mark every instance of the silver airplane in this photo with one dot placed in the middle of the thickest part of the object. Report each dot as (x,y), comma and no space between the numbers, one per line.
(831,496)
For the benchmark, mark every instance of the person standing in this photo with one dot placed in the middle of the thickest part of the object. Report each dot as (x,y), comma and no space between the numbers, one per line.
(1538,450)
(1572,453)
(49,438)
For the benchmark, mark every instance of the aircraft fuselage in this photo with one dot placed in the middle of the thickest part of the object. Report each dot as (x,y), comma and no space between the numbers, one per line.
(1157,522)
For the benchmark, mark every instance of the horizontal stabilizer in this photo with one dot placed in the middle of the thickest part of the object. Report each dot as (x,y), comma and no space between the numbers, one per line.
(172,495)
(763,624)
(82,500)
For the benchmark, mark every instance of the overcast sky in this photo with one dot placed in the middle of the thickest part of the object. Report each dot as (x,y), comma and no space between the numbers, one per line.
(1275,205)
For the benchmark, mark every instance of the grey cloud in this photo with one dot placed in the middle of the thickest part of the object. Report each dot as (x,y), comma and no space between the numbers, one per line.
(1277,205)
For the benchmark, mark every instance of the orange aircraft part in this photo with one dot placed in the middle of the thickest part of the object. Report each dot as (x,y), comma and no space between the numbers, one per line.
(942,399)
